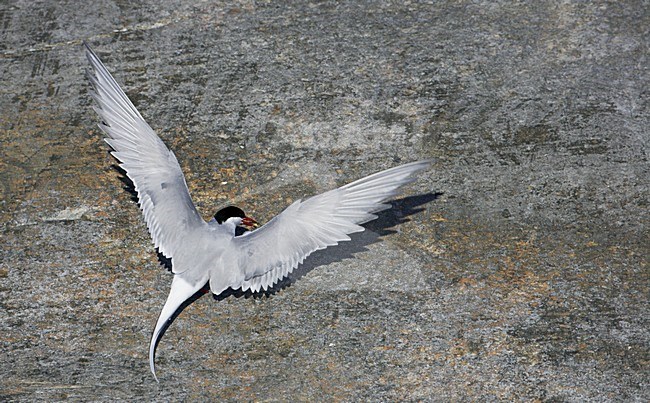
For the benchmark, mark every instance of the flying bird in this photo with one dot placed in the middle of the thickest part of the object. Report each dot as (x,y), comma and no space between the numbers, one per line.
(208,253)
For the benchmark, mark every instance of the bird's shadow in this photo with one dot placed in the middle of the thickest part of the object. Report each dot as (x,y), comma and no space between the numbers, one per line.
(126,181)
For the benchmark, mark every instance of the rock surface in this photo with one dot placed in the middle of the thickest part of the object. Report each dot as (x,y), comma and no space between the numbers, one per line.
(516,268)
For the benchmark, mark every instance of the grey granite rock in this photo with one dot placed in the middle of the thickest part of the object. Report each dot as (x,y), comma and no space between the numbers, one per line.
(516,269)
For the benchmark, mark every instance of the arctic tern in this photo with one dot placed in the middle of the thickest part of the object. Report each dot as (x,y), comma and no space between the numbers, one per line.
(208,253)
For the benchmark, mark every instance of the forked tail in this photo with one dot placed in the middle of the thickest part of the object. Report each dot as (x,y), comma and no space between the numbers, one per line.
(181,291)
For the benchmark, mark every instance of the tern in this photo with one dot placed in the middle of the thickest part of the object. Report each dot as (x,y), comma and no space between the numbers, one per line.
(208,253)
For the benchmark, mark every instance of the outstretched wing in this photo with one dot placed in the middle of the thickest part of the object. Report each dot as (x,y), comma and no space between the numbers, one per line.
(270,253)
(162,192)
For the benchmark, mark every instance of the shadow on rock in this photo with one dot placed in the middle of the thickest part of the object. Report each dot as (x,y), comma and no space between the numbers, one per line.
(126,182)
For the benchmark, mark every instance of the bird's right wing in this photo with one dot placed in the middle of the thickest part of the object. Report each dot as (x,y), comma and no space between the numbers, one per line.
(270,253)
(162,192)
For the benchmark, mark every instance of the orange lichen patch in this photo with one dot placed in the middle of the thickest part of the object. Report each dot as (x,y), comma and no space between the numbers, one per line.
(435,248)
(459,348)
(43,160)
(225,184)
(105,294)
(101,214)
(383,348)
(518,282)
(89,274)
(225,173)
(467,282)
(457,241)
(437,218)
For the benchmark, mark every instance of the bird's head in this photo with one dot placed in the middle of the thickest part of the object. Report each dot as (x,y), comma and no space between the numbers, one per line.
(234,216)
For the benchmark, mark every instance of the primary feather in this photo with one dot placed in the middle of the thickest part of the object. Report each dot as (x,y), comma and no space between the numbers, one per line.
(162,192)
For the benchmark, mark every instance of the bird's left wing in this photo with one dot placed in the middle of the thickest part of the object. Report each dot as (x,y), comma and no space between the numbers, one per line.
(162,192)
(270,253)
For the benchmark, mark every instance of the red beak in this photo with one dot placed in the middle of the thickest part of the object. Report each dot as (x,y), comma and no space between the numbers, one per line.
(249,222)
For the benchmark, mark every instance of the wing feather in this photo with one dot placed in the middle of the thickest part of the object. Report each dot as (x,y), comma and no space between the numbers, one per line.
(270,253)
(163,196)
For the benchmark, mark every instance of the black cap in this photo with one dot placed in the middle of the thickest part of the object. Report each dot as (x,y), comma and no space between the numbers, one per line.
(228,212)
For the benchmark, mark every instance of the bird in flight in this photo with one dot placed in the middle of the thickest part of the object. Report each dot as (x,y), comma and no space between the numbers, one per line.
(208,253)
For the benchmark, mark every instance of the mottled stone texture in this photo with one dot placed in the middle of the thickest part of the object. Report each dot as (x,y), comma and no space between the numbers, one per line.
(516,268)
